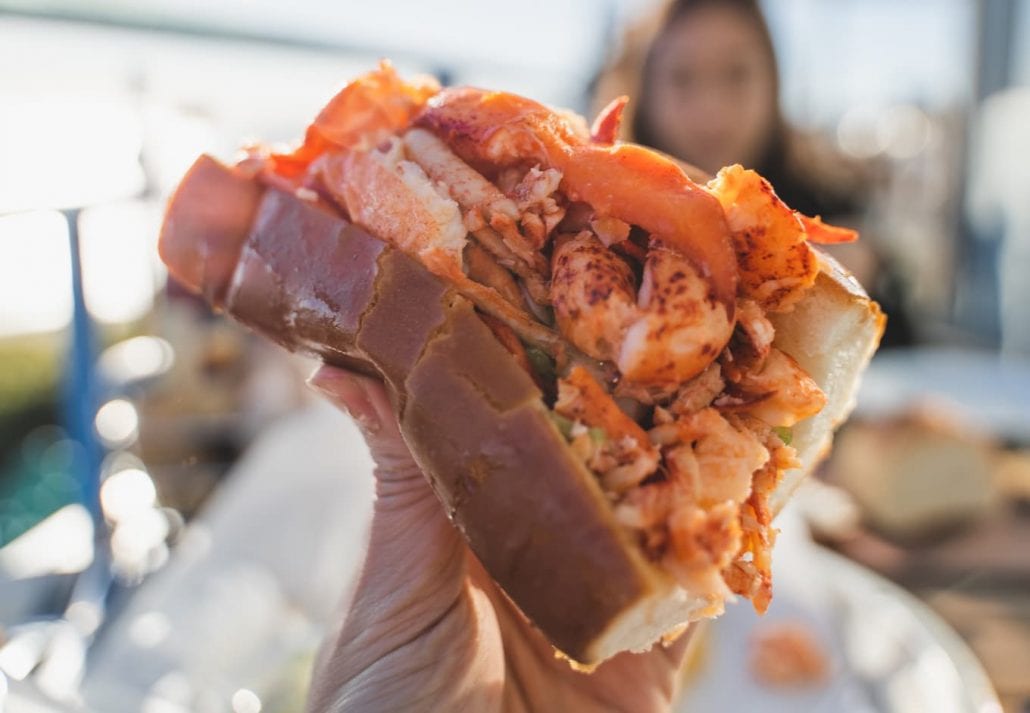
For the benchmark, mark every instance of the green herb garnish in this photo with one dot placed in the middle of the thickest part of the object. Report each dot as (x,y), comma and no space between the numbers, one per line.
(542,364)
(785,433)
(564,425)
(598,436)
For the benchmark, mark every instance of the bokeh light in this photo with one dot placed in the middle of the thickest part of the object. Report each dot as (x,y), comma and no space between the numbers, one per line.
(120,268)
(117,423)
(136,359)
(127,493)
(245,701)
(35,272)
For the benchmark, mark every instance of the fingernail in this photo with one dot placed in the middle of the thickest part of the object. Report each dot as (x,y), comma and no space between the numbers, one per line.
(348,392)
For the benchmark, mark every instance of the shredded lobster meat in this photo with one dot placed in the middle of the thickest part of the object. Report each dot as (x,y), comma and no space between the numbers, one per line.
(776,265)
(404,207)
(370,108)
(482,267)
(605,129)
(632,294)
(779,392)
(632,457)
(535,196)
(819,232)
(624,181)
(699,392)
(531,280)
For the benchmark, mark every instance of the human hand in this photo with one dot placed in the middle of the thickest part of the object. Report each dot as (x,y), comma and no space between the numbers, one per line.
(427,629)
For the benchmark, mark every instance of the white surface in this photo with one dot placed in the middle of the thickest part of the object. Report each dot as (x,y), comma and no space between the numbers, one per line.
(256,578)
(60,544)
(887,652)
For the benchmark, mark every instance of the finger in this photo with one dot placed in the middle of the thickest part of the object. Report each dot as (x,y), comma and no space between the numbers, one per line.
(355,394)
(414,565)
(400,483)
(366,401)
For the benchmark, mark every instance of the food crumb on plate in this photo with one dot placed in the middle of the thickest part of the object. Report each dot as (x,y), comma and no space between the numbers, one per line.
(787,655)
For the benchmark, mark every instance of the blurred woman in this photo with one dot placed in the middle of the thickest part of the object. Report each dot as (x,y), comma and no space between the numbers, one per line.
(704,87)
(704,84)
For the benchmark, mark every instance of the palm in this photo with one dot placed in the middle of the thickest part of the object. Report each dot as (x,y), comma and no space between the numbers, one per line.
(427,629)
(537,680)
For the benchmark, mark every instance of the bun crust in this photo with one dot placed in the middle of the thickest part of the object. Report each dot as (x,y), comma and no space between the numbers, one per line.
(475,421)
(832,333)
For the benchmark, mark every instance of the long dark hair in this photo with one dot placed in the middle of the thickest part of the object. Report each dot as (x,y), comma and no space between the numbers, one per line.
(674,12)
(785,159)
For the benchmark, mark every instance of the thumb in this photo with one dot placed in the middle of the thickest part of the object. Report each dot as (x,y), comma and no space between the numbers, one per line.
(414,565)
(365,400)
(403,495)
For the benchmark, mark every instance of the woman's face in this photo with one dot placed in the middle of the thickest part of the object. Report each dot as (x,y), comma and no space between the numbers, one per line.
(711,99)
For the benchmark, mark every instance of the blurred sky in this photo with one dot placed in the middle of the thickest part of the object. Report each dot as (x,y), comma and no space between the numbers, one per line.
(833,53)
(88,98)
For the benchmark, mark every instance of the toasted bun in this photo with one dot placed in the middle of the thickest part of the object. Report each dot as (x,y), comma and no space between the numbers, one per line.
(832,333)
(474,420)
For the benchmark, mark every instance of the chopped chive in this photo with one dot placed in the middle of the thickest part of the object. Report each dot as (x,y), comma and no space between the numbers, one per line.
(542,364)
(564,425)
(786,434)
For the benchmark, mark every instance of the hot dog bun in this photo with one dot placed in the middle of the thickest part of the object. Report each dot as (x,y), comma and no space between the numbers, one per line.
(474,419)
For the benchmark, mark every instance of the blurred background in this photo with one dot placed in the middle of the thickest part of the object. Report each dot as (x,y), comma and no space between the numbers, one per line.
(148,448)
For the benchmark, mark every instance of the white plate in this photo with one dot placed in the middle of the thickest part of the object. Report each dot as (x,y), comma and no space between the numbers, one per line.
(888,652)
